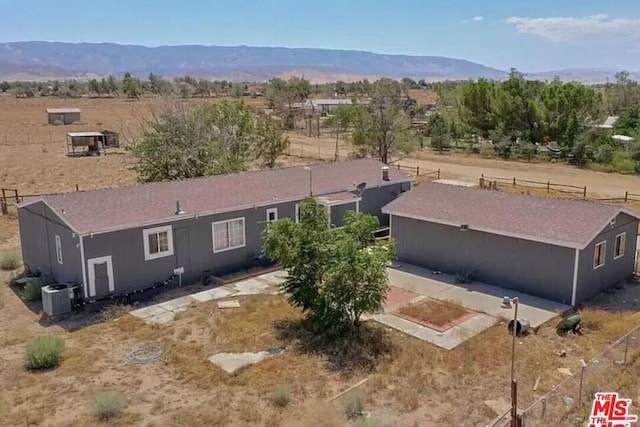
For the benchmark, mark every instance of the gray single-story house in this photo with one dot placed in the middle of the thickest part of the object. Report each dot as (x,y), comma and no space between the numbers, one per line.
(63,116)
(117,241)
(559,249)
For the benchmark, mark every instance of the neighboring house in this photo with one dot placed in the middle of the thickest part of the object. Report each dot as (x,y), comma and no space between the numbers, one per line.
(559,249)
(117,241)
(63,116)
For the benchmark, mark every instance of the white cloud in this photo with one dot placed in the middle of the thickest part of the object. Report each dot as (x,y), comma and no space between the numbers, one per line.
(477,18)
(590,29)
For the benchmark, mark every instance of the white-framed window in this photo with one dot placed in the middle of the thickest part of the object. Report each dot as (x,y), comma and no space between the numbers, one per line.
(158,242)
(297,218)
(618,247)
(599,254)
(58,249)
(272,214)
(229,234)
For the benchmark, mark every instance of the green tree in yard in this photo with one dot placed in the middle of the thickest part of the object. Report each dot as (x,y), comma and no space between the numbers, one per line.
(478,106)
(341,121)
(5,86)
(270,142)
(384,129)
(439,132)
(183,141)
(95,87)
(131,86)
(334,276)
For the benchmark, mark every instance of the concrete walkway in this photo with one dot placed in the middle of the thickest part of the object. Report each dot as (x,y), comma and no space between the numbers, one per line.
(165,312)
(481,298)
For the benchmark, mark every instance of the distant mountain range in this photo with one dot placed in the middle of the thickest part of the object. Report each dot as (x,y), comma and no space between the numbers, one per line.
(37,60)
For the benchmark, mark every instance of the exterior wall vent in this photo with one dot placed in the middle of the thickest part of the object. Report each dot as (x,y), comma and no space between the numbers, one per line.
(385,173)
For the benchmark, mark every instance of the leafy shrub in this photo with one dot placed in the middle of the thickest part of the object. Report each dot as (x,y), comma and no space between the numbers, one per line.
(623,164)
(486,151)
(44,352)
(32,291)
(527,150)
(108,405)
(281,395)
(354,403)
(9,261)
(604,154)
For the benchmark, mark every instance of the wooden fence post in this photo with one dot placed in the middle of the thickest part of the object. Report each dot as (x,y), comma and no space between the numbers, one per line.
(77,187)
(398,165)
(548,186)
(626,196)
(418,170)
(584,193)
(481,182)
(438,173)
(514,181)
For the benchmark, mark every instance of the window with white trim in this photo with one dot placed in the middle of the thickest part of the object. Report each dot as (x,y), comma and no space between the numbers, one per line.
(58,249)
(158,242)
(297,218)
(272,214)
(599,254)
(618,247)
(228,234)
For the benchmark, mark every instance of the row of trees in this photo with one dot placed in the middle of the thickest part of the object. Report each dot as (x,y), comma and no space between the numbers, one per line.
(129,86)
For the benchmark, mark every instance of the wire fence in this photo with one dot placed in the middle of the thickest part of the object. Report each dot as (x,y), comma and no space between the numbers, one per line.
(569,402)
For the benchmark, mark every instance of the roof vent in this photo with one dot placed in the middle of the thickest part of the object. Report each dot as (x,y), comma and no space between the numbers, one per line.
(179,211)
(464,227)
(613,222)
(385,173)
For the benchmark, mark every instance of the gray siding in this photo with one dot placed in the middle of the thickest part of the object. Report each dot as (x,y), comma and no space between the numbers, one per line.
(193,243)
(338,212)
(374,199)
(529,267)
(38,227)
(592,282)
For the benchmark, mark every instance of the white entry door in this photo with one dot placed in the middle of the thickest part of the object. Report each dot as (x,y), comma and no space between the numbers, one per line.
(100,276)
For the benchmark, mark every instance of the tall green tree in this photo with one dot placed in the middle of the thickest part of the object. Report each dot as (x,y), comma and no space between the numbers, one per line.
(439,132)
(131,86)
(334,276)
(478,106)
(382,128)
(341,120)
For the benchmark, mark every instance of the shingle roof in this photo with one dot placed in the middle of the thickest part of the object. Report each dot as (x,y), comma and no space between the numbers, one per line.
(562,222)
(134,206)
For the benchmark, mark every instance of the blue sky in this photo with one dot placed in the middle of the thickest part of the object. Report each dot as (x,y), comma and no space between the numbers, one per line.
(532,35)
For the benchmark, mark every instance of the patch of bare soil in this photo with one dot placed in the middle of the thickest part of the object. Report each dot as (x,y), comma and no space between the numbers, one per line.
(435,314)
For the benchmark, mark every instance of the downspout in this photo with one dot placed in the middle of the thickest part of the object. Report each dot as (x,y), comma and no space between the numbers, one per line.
(575,277)
(84,273)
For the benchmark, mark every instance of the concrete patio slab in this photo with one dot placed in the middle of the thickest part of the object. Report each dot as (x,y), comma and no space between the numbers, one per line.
(229,304)
(177,303)
(476,296)
(250,287)
(211,294)
(161,319)
(275,277)
(146,312)
(231,362)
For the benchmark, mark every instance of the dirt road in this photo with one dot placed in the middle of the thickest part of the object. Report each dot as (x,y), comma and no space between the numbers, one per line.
(470,167)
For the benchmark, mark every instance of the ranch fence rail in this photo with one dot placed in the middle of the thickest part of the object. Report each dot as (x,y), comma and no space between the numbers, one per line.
(579,191)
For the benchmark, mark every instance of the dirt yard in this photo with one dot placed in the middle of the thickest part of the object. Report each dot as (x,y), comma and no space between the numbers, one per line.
(409,382)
